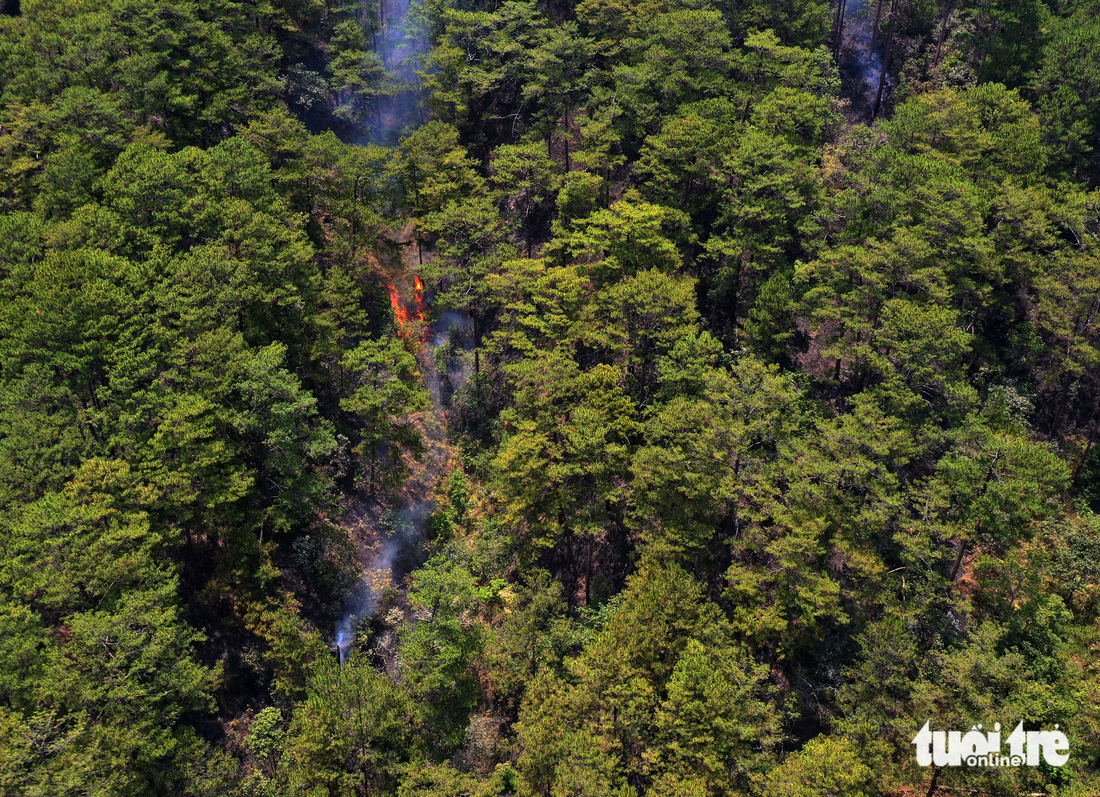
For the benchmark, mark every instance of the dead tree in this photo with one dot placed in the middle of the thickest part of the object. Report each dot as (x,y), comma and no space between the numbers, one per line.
(841,8)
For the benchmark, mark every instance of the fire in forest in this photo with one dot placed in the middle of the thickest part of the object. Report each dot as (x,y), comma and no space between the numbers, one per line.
(418,296)
(401,312)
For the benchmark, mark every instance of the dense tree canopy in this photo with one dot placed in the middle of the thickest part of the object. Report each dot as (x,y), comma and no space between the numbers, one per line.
(575,399)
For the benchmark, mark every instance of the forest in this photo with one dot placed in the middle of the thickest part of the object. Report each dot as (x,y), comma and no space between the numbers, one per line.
(547,398)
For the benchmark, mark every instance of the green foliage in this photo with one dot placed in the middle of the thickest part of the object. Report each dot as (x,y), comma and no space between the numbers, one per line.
(440,647)
(266,739)
(563,471)
(777,435)
(112,682)
(1065,87)
(706,448)
(624,239)
(479,56)
(532,633)
(167,64)
(349,734)
(662,692)
(385,389)
(825,766)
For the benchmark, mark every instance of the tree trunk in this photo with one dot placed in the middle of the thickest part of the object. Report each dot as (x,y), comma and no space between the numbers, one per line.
(878,18)
(943,32)
(885,60)
(588,570)
(477,360)
(840,29)
(932,785)
(382,31)
(737,293)
(574,575)
(978,525)
(568,135)
(419,100)
(836,18)
(958,561)
(1088,448)
(986,46)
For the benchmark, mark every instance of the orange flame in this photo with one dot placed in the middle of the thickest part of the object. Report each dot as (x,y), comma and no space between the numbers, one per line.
(400,314)
(418,296)
(405,325)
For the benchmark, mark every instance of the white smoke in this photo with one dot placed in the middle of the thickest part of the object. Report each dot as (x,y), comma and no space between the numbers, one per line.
(399,537)
(401,44)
